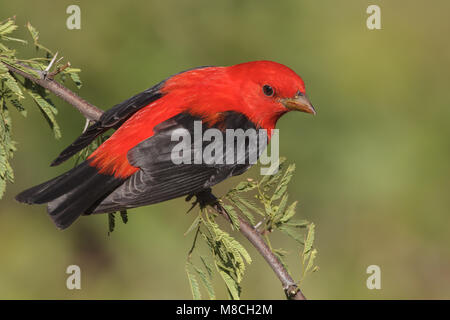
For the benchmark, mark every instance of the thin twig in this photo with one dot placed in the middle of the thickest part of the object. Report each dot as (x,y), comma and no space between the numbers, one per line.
(291,289)
(58,70)
(88,110)
(93,113)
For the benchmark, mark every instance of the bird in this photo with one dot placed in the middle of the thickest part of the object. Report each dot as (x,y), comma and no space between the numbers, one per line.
(134,168)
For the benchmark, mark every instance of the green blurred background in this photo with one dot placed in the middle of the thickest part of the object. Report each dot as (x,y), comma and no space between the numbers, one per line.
(373,165)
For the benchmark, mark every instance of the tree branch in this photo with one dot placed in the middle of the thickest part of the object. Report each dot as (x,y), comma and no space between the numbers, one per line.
(291,289)
(88,110)
(93,113)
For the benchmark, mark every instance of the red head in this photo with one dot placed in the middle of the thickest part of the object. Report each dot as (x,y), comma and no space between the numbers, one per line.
(269,89)
(262,90)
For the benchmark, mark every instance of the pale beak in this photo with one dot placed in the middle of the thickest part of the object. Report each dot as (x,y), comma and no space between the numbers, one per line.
(299,103)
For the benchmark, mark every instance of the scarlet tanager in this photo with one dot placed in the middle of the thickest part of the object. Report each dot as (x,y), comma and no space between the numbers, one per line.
(134,167)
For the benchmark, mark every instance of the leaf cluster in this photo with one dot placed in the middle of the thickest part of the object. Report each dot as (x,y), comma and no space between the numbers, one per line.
(264,204)
(13,90)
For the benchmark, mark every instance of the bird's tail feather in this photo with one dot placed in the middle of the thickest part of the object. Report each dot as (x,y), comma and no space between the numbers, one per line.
(80,143)
(71,194)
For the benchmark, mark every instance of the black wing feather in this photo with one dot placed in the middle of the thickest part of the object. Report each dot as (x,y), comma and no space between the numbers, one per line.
(113,118)
(159,179)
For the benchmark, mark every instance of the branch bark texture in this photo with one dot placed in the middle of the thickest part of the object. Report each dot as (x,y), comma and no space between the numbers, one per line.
(291,289)
(88,110)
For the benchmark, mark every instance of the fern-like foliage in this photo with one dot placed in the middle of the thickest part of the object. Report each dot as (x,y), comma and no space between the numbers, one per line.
(264,203)
(14,90)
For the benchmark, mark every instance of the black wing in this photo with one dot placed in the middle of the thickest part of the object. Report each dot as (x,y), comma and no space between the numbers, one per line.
(113,118)
(160,179)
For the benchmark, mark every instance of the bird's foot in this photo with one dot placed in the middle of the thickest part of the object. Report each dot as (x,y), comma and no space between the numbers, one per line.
(202,198)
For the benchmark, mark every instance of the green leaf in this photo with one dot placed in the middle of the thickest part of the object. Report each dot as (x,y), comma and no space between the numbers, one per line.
(48,111)
(2,187)
(309,239)
(280,253)
(250,205)
(207,266)
(111,223)
(13,63)
(6,51)
(74,75)
(273,174)
(232,285)
(242,251)
(229,253)
(289,213)
(35,35)
(7,147)
(311,259)
(12,84)
(245,186)
(282,205)
(298,223)
(193,283)
(33,32)
(208,237)
(124,216)
(194,225)
(7,27)
(294,234)
(3,68)
(282,186)
(18,106)
(206,281)
(232,244)
(233,216)
(14,39)
(245,211)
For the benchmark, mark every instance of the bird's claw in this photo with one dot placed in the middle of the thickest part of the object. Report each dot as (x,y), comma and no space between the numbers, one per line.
(202,198)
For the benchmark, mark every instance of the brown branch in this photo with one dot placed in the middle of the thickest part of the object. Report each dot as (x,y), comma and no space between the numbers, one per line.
(291,289)
(88,110)
(91,112)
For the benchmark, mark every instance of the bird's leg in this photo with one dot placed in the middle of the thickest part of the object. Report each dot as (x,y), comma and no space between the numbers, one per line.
(202,198)
(205,198)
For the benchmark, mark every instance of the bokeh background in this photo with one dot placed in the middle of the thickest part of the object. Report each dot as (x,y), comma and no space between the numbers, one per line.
(373,165)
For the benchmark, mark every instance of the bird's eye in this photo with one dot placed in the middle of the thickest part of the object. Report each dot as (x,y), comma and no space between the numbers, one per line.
(268,90)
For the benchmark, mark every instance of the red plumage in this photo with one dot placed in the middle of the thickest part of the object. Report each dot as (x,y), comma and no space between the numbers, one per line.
(251,94)
(204,92)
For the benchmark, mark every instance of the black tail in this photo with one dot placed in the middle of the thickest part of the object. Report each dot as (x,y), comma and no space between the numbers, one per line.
(71,194)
